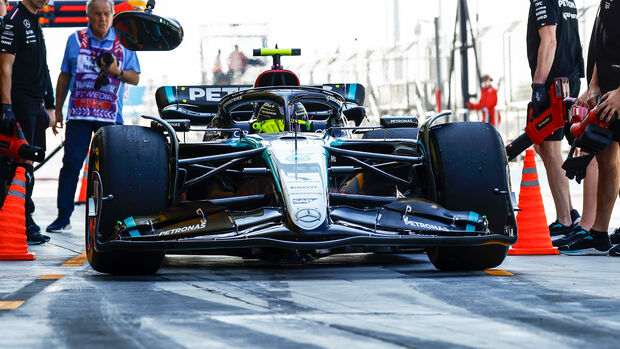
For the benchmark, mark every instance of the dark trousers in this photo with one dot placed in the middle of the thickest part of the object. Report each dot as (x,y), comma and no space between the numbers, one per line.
(33,120)
(77,142)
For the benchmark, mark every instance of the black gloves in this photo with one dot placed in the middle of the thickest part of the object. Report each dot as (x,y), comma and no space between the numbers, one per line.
(7,118)
(540,98)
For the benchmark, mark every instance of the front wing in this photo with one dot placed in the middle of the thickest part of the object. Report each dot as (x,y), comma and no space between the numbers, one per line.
(201,226)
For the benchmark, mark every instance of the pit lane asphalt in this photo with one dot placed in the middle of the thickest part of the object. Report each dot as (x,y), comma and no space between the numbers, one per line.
(361,301)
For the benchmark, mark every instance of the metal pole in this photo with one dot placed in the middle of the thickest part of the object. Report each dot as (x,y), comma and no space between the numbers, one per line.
(463,17)
(396,23)
(438,63)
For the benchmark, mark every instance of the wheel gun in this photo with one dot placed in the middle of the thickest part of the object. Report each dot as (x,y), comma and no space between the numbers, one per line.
(543,125)
(588,133)
(16,147)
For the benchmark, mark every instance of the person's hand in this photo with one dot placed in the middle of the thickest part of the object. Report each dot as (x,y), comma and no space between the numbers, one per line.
(111,69)
(589,99)
(58,123)
(51,116)
(7,118)
(540,98)
(610,106)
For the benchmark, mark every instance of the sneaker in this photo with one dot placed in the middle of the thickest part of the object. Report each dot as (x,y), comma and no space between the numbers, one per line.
(556,229)
(615,251)
(587,245)
(578,231)
(31,226)
(59,225)
(615,237)
(575,217)
(36,239)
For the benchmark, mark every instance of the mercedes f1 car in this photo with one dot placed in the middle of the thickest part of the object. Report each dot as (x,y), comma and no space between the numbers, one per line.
(301,184)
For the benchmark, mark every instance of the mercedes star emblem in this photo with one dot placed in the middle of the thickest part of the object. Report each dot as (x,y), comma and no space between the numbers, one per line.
(308,215)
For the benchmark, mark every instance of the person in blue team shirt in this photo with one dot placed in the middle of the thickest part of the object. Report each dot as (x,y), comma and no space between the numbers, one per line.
(95,68)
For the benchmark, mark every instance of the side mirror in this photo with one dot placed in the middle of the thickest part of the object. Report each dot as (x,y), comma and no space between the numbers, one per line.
(355,114)
(143,31)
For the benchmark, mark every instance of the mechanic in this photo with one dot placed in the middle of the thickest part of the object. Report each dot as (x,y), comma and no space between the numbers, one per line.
(605,83)
(487,102)
(96,88)
(554,50)
(26,91)
(237,61)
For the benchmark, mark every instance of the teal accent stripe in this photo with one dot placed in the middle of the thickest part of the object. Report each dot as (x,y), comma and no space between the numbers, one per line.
(274,169)
(473,217)
(130,222)
(134,233)
(170,94)
(352,90)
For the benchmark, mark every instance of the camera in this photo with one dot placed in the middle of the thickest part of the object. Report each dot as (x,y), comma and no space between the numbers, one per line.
(102,79)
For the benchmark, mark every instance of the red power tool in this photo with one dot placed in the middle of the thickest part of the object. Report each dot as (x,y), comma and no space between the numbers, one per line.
(542,126)
(17,148)
(591,135)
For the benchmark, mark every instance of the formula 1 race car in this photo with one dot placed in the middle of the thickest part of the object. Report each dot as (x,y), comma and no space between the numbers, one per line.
(281,175)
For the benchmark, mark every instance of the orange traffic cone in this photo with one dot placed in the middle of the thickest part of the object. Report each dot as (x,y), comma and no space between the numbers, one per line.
(531,220)
(82,197)
(13,221)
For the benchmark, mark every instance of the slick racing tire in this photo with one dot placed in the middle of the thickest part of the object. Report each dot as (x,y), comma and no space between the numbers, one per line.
(392,133)
(133,163)
(471,174)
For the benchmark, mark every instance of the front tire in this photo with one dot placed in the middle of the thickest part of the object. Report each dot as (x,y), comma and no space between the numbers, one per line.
(133,163)
(471,174)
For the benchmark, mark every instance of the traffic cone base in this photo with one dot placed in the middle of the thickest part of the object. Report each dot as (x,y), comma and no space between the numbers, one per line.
(28,256)
(533,238)
(13,244)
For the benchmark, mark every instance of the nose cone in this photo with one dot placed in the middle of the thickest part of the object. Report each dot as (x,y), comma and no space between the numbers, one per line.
(301,176)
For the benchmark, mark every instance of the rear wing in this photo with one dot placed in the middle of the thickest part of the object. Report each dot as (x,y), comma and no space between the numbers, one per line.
(205,98)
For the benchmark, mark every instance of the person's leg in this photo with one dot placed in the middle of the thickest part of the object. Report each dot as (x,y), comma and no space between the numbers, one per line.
(596,240)
(551,155)
(608,185)
(28,113)
(6,174)
(590,184)
(77,140)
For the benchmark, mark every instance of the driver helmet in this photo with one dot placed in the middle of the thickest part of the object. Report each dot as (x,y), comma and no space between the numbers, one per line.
(299,117)
(270,118)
